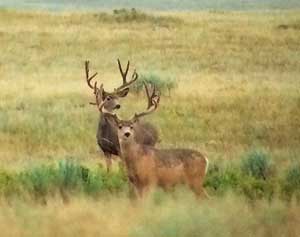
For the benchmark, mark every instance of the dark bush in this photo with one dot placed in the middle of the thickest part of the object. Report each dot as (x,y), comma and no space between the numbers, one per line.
(133,15)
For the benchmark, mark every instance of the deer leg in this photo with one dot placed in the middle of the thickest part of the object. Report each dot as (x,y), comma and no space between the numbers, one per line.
(139,190)
(196,186)
(197,190)
(108,161)
(133,192)
(205,194)
(121,165)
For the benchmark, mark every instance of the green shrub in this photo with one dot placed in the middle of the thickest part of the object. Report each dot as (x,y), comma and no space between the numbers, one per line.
(257,181)
(257,164)
(224,178)
(221,179)
(8,184)
(290,186)
(165,85)
(99,181)
(254,189)
(38,181)
(95,183)
(69,177)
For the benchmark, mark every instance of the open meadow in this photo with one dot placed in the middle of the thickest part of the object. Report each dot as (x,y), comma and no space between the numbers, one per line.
(230,86)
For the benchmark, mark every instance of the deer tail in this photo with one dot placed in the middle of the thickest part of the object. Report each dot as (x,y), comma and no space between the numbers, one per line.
(207,164)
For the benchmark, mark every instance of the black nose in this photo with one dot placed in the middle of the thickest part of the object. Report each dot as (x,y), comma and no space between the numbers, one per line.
(127,134)
(118,107)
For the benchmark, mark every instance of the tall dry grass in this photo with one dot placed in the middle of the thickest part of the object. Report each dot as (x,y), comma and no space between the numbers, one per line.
(159,215)
(237,76)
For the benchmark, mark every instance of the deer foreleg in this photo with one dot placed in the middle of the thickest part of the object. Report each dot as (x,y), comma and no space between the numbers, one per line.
(108,161)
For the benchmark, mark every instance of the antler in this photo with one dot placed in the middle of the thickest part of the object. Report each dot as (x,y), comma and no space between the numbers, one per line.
(153,101)
(154,95)
(100,102)
(99,95)
(88,78)
(125,84)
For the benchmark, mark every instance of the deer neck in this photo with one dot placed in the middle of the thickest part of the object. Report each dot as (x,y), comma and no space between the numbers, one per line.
(107,131)
(107,121)
(129,151)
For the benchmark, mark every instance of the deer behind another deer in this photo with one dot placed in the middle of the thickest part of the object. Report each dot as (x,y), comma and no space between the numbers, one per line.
(148,166)
(107,135)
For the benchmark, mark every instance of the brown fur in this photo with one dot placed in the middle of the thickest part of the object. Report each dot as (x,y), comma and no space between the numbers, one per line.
(148,167)
(107,137)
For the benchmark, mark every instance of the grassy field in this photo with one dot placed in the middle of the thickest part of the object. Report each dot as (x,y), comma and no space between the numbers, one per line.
(237,91)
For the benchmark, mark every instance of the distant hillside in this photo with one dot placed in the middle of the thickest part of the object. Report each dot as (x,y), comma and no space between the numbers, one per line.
(152,4)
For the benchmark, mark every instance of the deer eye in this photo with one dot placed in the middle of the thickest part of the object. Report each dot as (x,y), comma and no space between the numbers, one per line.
(120,126)
(131,127)
(108,98)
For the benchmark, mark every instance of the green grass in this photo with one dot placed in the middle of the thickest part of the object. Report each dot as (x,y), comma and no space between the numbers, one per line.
(252,178)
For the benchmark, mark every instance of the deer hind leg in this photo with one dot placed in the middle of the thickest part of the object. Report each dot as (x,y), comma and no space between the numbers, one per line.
(199,191)
(205,194)
(196,185)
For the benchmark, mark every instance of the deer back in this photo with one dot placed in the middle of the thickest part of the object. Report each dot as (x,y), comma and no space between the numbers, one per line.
(146,134)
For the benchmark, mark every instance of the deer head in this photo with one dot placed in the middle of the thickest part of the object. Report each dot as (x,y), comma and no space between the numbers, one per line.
(111,98)
(126,128)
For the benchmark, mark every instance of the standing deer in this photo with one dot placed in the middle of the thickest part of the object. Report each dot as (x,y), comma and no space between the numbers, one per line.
(107,137)
(148,166)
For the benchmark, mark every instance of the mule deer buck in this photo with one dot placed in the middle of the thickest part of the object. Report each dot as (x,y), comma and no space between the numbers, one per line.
(107,137)
(148,166)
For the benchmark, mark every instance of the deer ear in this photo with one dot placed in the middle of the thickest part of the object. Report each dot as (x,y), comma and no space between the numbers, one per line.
(104,95)
(113,117)
(135,119)
(123,92)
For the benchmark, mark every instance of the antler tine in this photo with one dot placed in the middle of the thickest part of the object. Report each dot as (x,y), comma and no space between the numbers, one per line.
(125,84)
(148,95)
(124,74)
(88,78)
(155,95)
(98,94)
(153,101)
(148,111)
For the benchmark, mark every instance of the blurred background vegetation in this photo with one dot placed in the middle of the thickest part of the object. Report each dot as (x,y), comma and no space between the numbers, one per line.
(153,5)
